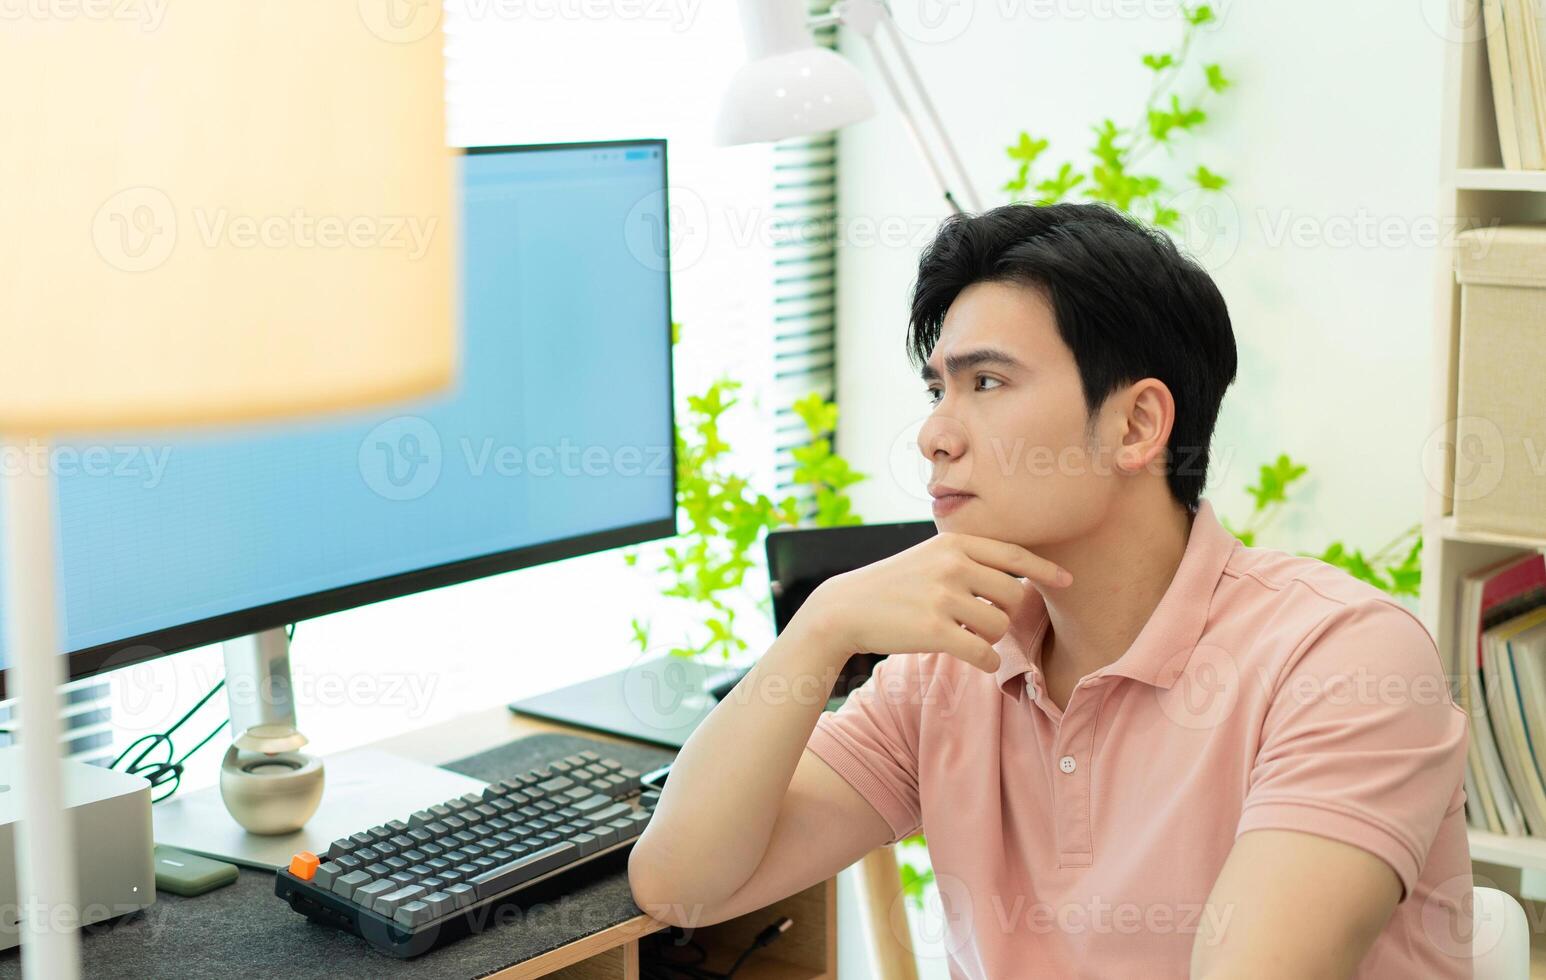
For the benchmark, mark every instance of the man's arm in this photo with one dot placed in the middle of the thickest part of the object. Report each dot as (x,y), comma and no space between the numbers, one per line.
(748,816)
(1294,906)
(1348,791)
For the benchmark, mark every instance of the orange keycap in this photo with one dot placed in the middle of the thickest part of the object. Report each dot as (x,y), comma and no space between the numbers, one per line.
(304,865)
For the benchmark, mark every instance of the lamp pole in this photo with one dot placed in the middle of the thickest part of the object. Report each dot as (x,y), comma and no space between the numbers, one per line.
(45,859)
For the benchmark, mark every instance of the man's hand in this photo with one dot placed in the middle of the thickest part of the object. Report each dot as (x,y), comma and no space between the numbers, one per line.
(919,600)
(1292,905)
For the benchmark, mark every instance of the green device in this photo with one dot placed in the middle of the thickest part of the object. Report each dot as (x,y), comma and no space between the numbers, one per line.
(182,873)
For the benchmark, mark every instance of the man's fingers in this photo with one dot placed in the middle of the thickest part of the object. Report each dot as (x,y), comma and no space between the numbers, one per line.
(965,645)
(1000,588)
(1015,560)
(987,621)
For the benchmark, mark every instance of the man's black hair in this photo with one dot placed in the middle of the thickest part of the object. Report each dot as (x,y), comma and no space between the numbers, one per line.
(1126,301)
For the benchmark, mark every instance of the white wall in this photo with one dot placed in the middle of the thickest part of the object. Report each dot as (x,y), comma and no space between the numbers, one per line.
(1330,139)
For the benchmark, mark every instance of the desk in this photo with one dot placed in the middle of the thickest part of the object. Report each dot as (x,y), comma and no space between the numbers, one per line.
(244,927)
(808,951)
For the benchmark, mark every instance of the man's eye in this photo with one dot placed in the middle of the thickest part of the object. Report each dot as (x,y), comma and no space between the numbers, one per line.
(933,395)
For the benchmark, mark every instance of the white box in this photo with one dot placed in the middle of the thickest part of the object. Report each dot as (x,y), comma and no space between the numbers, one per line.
(114,852)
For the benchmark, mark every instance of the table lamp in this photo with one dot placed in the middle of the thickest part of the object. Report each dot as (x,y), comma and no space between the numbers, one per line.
(204,210)
(791,87)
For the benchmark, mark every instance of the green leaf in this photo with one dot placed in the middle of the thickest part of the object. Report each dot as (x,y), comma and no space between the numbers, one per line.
(1199,15)
(1273,480)
(1216,80)
(1207,179)
(1158,62)
(1027,149)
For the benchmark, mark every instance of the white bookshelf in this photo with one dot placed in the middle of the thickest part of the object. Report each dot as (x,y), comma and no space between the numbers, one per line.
(1474,189)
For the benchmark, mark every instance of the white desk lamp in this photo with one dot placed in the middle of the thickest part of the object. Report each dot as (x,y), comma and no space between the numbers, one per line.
(198,221)
(791,87)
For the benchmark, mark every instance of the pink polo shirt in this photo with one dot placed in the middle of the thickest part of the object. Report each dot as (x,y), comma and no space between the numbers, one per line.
(1266,691)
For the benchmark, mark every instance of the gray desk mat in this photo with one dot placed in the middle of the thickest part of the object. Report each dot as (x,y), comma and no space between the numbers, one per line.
(244,929)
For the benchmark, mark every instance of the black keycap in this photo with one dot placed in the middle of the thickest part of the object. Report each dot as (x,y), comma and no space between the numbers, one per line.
(504,877)
(609,813)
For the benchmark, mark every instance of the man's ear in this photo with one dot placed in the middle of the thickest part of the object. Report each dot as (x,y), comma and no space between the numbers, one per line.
(1150,414)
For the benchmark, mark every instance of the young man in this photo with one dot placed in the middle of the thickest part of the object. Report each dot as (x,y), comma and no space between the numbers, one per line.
(1185,758)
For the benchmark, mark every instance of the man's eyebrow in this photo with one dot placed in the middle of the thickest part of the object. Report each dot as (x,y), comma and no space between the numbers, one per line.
(956,363)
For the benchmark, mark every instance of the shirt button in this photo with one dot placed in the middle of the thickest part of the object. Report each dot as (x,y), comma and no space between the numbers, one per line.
(1066,763)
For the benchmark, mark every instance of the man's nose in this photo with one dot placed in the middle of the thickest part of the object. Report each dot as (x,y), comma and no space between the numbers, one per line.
(942,434)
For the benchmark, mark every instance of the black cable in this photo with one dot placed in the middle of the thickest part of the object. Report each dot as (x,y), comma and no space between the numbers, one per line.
(161,773)
(667,969)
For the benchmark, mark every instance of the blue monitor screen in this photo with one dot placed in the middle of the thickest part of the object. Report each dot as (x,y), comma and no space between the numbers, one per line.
(559,428)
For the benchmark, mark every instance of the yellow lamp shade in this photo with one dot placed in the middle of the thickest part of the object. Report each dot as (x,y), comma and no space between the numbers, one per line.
(222,211)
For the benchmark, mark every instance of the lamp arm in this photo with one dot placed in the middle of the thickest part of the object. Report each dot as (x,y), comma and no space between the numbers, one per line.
(865,17)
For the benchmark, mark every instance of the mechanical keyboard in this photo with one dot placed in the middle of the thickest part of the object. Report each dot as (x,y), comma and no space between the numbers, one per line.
(411,885)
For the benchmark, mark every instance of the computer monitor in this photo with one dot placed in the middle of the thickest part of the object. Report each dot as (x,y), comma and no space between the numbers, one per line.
(557,439)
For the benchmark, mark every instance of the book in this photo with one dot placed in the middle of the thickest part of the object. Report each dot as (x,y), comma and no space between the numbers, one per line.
(1488,598)
(1505,704)
(1502,82)
(1525,654)
(1518,28)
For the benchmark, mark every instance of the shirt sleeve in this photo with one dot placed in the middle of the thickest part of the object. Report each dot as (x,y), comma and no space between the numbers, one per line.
(871,740)
(1361,742)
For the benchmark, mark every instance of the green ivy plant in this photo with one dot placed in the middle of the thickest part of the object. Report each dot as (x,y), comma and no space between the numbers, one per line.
(726,517)
(1395,568)
(1112,174)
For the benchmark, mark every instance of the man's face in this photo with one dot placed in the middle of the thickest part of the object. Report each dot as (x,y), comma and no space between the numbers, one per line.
(1012,433)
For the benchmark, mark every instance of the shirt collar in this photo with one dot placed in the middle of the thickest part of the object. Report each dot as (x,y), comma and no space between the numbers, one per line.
(1167,640)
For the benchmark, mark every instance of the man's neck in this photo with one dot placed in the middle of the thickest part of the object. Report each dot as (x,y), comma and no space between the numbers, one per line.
(1121,572)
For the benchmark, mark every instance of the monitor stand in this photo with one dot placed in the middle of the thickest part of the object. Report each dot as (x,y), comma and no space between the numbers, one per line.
(660,701)
(361,788)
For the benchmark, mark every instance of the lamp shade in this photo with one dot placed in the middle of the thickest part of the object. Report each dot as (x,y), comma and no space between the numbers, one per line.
(789,86)
(217,212)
